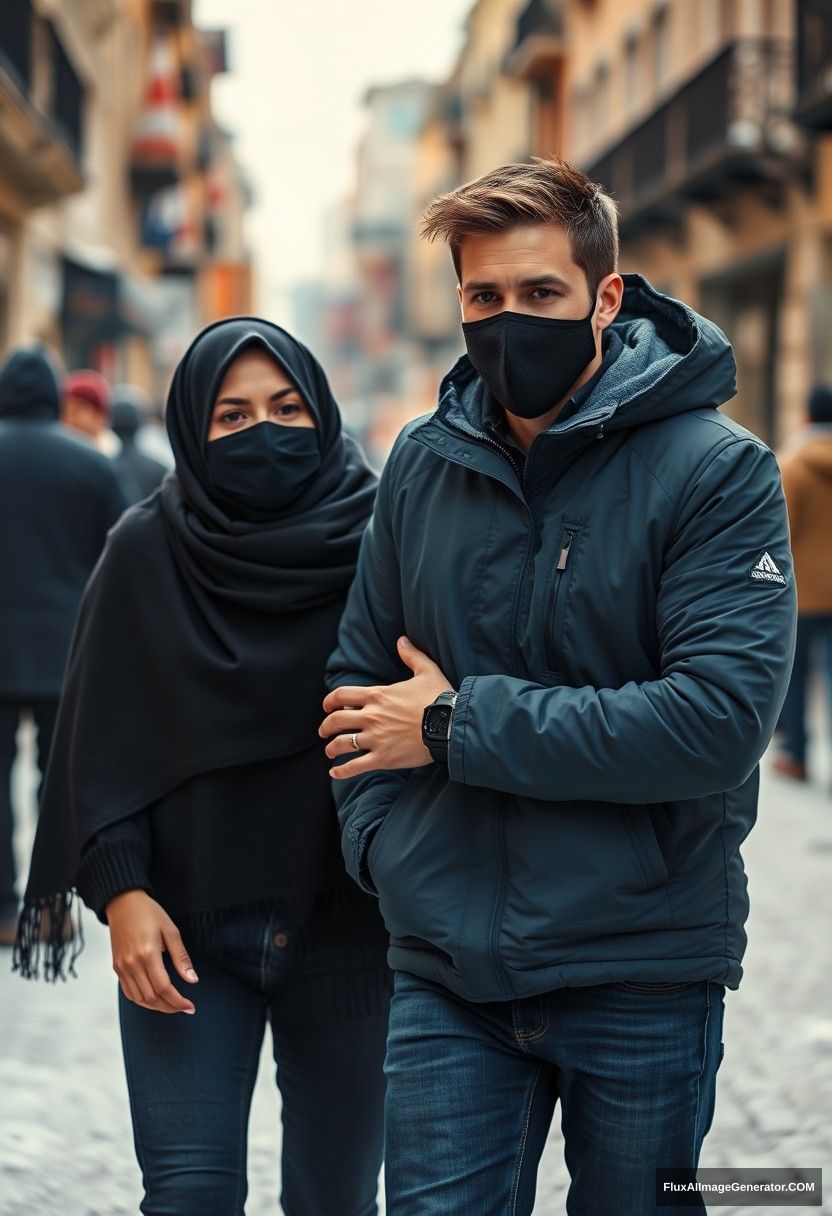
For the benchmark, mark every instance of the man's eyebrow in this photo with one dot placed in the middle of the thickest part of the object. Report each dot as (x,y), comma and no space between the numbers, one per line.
(541,280)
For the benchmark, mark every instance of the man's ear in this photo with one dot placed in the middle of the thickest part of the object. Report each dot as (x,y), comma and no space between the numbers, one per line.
(611,292)
(459,295)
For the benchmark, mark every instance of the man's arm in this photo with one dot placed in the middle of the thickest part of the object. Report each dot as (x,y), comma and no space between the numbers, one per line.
(726,645)
(366,654)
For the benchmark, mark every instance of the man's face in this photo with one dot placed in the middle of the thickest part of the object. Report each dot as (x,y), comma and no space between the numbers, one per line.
(528,269)
(81,416)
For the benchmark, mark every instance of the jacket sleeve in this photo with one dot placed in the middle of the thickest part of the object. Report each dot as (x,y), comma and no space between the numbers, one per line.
(726,642)
(116,859)
(365,655)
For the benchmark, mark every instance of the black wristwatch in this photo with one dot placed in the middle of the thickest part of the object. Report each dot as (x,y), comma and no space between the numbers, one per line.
(436,725)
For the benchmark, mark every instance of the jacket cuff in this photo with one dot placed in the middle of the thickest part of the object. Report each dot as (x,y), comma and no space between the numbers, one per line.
(357,841)
(110,868)
(456,743)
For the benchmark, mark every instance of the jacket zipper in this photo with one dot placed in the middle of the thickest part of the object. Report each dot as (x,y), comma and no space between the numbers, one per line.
(551,628)
(494,443)
(497,907)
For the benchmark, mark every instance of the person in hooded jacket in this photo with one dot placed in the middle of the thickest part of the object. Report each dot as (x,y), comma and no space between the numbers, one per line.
(57,500)
(139,473)
(561,660)
(806,468)
(188,802)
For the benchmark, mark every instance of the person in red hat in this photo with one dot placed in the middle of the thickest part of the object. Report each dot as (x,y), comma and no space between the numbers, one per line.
(86,406)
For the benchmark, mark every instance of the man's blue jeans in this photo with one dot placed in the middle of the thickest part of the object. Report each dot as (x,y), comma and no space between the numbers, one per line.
(813,649)
(471,1091)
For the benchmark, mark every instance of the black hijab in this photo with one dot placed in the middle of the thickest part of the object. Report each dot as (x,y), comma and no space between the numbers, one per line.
(201,639)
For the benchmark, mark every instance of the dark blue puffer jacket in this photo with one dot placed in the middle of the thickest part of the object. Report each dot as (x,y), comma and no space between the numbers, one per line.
(613,706)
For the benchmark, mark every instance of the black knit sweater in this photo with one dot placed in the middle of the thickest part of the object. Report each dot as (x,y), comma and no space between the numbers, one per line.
(206,848)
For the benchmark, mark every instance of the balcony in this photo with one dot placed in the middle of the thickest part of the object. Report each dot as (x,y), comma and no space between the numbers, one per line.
(40,145)
(728,126)
(814,65)
(538,45)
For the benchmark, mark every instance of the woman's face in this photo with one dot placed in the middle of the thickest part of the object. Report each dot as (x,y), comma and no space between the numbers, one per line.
(256,389)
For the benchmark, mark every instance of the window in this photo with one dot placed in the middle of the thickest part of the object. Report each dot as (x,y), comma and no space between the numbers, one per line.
(661,65)
(631,74)
(601,116)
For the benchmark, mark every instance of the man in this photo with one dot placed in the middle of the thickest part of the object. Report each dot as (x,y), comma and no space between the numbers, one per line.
(138,473)
(806,466)
(57,500)
(588,566)
(86,409)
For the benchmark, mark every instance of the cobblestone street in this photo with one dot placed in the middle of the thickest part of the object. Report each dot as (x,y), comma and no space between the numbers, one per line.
(65,1139)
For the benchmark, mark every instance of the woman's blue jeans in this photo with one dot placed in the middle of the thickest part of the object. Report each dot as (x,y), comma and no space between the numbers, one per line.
(191,1078)
(471,1091)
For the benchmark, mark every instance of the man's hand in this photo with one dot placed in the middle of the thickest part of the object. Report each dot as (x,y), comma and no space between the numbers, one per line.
(386,719)
(140,929)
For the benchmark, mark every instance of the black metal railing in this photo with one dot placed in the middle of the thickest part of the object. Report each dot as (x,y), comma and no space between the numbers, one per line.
(722,123)
(67,111)
(814,63)
(16,41)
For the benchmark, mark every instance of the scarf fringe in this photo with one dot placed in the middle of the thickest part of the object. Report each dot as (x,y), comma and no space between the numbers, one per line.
(49,937)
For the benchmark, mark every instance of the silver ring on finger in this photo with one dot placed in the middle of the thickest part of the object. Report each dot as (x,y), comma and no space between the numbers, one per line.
(356,747)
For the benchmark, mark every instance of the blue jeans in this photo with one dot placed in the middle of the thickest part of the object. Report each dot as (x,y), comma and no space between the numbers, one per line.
(191,1078)
(813,648)
(471,1091)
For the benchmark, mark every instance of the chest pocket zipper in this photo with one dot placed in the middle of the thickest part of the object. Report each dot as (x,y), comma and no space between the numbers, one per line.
(555,602)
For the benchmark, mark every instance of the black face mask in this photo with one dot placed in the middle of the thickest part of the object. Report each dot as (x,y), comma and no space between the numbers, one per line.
(529,363)
(265,467)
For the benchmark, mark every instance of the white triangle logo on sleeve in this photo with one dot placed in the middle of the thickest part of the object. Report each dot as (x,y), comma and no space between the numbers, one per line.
(767,571)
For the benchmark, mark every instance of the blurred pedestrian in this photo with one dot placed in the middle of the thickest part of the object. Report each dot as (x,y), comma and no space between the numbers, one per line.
(153,437)
(139,473)
(806,466)
(86,409)
(560,662)
(189,801)
(57,500)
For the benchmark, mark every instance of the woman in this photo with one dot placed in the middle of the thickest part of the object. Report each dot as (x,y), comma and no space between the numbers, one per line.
(188,800)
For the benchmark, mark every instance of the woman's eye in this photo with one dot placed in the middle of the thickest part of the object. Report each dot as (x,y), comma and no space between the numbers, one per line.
(288,409)
(233,416)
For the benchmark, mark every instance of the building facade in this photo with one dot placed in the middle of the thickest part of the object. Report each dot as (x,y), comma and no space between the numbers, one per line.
(707,120)
(120,202)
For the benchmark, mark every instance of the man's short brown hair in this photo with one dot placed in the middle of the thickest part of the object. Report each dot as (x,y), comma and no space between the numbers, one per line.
(542,191)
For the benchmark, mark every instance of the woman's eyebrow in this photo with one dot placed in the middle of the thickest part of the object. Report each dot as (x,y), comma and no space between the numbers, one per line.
(283,392)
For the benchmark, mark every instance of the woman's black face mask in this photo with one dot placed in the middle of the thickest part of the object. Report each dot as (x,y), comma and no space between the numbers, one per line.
(529,363)
(264,467)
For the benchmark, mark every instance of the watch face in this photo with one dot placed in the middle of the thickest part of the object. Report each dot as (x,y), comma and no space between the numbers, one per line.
(438,719)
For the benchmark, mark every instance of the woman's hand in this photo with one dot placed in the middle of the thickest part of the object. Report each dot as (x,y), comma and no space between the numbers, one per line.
(140,929)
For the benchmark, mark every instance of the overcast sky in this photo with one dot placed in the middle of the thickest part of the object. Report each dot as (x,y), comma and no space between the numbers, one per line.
(293,97)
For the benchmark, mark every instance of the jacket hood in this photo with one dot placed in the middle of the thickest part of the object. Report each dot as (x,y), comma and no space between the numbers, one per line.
(671,360)
(29,386)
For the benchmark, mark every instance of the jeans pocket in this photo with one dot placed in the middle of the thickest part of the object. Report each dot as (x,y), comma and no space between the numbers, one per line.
(645,986)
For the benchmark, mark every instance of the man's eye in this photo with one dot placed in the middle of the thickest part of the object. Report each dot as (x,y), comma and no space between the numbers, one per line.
(543,293)
(485,297)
